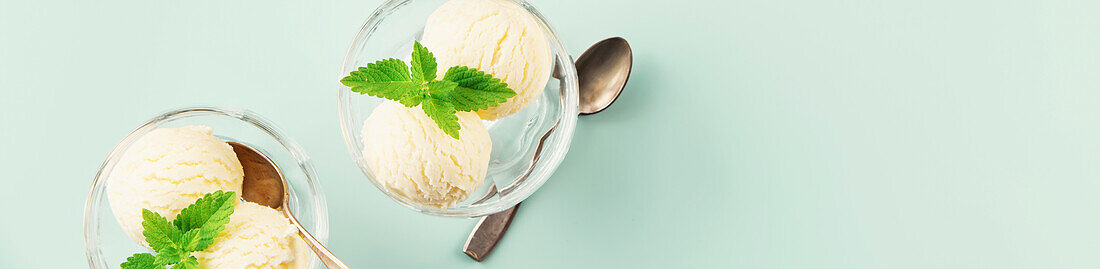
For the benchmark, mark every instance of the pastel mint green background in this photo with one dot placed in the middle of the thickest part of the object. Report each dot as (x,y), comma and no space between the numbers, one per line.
(752,134)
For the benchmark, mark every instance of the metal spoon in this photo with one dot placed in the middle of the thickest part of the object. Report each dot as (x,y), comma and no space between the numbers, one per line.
(264,184)
(602,71)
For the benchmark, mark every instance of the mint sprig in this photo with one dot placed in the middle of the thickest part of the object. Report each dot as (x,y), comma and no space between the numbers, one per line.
(461,88)
(194,229)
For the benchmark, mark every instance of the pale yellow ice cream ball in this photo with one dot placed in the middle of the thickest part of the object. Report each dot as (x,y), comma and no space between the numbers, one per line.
(495,36)
(408,153)
(256,237)
(166,170)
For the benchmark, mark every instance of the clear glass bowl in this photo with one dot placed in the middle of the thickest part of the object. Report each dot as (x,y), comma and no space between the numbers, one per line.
(389,33)
(107,246)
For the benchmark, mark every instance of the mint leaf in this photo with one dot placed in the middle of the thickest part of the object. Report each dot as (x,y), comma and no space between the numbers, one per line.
(191,240)
(443,113)
(413,98)
(212,227)
(141,261)
(423,63)
(203,220)
(196,214)
(436,88)
(475,89)
(188,263)
(169,255)
(158,233)
(387,79)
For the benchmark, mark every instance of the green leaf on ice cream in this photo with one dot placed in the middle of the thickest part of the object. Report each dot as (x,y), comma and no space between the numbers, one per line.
(203,220)
(413,98)
(188,263)
(423,63)
(204,210)
(461,88)
(443,114)
(441,86)
(475,89)
(158,233)
(194,229)
(387,78)
(169,255)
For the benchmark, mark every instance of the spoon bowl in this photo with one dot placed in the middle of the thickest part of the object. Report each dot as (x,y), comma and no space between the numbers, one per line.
(264,184)
(602,72)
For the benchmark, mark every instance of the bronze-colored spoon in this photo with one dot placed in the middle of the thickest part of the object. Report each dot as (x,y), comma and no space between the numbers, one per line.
(264,184)
(602,71)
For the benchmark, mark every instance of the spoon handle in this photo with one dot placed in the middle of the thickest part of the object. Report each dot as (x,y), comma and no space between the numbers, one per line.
(487,233)
(330,261)
(327,258)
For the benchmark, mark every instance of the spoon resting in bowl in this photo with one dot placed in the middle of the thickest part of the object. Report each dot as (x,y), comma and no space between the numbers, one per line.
(264,184)
(602,70)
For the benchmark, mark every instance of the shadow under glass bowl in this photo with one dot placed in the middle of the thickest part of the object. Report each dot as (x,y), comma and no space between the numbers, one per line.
(107,245)
(389,33)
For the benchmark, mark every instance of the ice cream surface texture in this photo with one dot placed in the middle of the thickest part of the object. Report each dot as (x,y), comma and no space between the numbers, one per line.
(255,237)
(168,169)
(495,36)
(408,153)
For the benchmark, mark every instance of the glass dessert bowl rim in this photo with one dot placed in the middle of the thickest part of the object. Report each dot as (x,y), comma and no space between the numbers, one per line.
(541,168)
(91,227)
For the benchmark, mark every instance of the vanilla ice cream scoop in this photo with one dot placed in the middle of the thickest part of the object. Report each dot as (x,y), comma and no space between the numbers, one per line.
(495,36)
(408,153)
(168,169)
(255,237)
